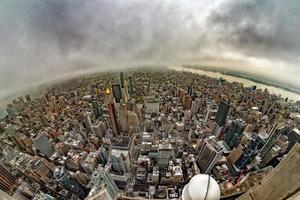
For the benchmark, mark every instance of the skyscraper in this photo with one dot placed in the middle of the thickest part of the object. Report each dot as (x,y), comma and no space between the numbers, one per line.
(209,154)
(130,86)
(222,113)
(293,137)
(186,102)
(117,93)
(110,185)
(190,90)
(274,133)
(113,118)
(248,154)
(103,155)
(42,144)
(63,177)
(165,154)
(122,79)
(123,117)
(118,164)
(234,133)
(97,110)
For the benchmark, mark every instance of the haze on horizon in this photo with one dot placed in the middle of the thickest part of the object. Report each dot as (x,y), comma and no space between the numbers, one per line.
(50,39)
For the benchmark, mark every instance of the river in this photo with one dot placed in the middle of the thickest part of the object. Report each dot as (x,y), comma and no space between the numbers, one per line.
(246,82)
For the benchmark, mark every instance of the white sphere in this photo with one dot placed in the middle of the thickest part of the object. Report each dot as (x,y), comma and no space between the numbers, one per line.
(198,186)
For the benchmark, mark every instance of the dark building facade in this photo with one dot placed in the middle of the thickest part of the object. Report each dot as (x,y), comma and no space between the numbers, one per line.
(222,113)
(234,133)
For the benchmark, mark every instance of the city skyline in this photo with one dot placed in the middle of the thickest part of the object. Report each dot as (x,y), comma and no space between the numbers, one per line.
(148,100)
(150,134)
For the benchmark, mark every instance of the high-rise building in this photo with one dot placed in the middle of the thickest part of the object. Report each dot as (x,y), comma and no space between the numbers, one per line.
(7,180)
(272,153)
(235,154)
(122,79)
(97,110)
(113,118)
(130,86)
(123,117)
(117,93)
(248,154)
(64,178)
(293,137)
(98,129)
(118,164)
(104,188)
(186,102)
(273,134)
(42,144)
(190,90)
(165,154)
(125,93)
(210,153)
(28,99)
(103,155)
(222,113)
(122,153)
(234,134)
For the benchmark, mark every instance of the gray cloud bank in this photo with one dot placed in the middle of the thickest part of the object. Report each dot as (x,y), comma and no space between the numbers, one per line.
(43,39)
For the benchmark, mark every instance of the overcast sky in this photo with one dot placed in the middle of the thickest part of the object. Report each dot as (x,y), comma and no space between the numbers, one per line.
(41,40)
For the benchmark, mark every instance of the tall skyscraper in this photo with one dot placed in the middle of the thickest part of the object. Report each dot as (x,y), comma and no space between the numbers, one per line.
(186,102)
(103,155)
(108,190)
(117,93)
(234,133)
(130,85)
(7,180)
(122,79)
(118,164)
(190,90)
(248,154)
(272,153)
(222,113)
(293,137)
(42,144)
(210,153)
(97,110)
(113,118)
(274,133)
(64,178)
(110,185)
(123,117)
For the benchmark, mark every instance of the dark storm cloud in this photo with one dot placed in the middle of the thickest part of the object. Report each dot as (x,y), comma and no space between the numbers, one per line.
(260,27)
(44,39)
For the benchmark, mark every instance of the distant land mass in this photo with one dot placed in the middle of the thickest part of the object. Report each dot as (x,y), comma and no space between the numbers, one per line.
(250,76)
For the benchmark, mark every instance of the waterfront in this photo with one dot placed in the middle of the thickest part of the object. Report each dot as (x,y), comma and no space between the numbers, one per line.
(246,82)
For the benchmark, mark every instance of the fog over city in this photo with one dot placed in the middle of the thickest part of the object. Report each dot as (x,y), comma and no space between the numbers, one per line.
(51,39)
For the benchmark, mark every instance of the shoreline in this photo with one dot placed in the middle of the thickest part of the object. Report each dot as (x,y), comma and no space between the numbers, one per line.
(247,77)
(293,96)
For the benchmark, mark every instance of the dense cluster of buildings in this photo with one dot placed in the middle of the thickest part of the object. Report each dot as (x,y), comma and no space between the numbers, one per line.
(142,135)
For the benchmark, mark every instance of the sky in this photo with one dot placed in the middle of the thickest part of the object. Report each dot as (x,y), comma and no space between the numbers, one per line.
(43,40)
